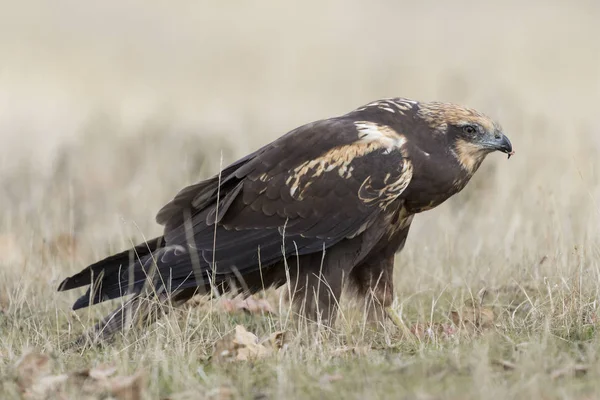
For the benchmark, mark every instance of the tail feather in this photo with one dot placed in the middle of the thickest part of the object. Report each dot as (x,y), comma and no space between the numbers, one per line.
(167,269)
(111,265)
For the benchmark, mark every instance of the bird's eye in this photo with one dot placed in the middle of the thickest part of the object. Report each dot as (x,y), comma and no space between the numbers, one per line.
(469,129)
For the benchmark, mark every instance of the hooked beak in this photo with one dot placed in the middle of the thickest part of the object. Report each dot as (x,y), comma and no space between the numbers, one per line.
(503,144)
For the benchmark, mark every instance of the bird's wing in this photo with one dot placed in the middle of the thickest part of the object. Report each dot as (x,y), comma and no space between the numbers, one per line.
(306,191)
(301,194)
(322,136)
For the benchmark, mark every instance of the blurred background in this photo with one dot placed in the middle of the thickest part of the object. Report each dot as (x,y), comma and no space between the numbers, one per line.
(108,108)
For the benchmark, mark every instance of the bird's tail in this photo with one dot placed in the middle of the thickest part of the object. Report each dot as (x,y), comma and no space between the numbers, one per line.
(142,309)
(106,274)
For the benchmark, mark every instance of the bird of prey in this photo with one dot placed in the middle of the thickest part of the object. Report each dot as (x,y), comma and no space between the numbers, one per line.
(324,206)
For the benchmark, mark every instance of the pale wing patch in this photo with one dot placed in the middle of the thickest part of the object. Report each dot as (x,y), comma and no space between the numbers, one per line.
(395,105)
(403,104)
(374,132)
(264,177)
(390,192)
(338,158)
(372,137)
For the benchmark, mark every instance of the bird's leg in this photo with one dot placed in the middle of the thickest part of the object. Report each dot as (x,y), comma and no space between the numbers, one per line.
(373,281)
(374,277)
(319,278)
(316,290)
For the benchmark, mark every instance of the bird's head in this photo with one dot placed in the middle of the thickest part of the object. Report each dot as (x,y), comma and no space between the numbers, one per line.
(471,134)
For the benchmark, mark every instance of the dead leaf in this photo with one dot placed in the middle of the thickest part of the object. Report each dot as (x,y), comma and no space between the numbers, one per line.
(238,303)
(248,304)
(243,346)
(247,345)
(128,387)
(243,337)
(30,368)
(33,374)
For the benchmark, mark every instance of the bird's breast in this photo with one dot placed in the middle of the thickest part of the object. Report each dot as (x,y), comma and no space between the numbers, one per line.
(432,184)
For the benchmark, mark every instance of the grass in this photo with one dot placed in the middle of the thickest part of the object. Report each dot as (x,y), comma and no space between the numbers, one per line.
(99,130)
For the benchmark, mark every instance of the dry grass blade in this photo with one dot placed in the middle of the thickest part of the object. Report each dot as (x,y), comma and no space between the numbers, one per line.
(571,370)
(507,365)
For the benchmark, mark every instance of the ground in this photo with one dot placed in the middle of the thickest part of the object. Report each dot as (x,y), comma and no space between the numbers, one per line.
(497,288)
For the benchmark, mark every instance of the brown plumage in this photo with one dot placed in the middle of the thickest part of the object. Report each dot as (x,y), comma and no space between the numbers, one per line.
(329,203)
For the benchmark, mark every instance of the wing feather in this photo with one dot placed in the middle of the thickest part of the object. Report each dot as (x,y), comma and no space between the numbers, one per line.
(305,186)
(298,195)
